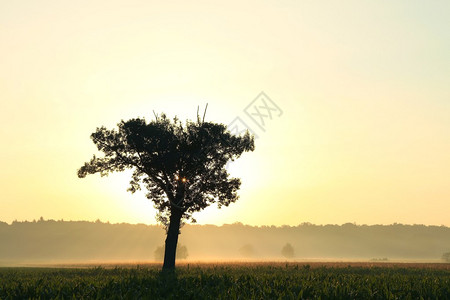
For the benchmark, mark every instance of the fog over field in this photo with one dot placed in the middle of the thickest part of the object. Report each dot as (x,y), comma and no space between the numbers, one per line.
(48,241)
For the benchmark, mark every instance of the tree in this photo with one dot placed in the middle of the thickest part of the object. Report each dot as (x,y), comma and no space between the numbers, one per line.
(288,251)
(181,166)
(446,257)
(247,250)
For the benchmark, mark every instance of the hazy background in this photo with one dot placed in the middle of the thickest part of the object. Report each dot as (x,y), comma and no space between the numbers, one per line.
(62,242)
(363,85)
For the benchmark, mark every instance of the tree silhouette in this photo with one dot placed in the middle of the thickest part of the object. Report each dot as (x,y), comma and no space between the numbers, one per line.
(247,250)
(446,257)
(181,166)
(287,251)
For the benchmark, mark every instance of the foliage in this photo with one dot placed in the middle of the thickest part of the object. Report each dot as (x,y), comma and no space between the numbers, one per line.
(226,282)
(181,166)
(287,251)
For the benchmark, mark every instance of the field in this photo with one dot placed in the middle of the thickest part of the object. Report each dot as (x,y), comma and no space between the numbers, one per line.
(231,281)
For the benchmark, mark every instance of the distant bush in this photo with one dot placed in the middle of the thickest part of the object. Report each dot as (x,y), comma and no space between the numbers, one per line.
(182,252)
(380,259)
(446,257)
(247,250)
(288,251)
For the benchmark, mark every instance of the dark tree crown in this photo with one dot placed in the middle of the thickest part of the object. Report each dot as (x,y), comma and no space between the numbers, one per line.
(181,166)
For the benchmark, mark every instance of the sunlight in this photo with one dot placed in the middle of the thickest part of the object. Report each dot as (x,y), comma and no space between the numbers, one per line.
(332,133)
(121,204)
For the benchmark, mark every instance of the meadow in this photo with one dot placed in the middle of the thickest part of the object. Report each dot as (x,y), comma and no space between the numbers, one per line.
(231,281)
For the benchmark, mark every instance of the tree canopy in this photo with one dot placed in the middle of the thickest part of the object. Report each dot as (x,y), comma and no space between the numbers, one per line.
(182,166)
(287,251)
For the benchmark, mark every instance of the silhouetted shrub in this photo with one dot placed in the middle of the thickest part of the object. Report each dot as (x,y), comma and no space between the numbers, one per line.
(288,251)
(182,252)
(247,250)
(446,257)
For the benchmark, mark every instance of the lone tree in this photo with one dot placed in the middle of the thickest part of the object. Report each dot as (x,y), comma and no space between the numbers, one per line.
(247,250)
(287,251)
(181,166)
(446,257)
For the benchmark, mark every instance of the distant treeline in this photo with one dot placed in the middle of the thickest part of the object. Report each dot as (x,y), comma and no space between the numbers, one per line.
(49,241)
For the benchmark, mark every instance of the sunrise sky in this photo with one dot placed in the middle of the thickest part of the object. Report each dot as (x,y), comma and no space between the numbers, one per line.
(364,134)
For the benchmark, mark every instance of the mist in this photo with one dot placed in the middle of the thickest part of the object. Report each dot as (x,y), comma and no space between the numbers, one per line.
(60,242)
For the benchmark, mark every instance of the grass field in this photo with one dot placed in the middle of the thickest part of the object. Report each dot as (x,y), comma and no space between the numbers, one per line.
(232,281)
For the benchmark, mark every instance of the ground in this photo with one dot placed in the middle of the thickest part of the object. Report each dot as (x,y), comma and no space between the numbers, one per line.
(340,280)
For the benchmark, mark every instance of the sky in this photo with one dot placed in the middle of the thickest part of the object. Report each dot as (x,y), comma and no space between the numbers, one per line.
(360,133)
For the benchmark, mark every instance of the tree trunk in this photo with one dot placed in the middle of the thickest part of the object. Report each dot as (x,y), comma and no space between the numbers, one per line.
(172,239)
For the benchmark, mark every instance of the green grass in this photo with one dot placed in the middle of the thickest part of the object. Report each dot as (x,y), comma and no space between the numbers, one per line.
(226,282)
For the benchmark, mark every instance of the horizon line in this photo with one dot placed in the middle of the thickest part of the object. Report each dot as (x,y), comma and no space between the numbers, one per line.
(98,221)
